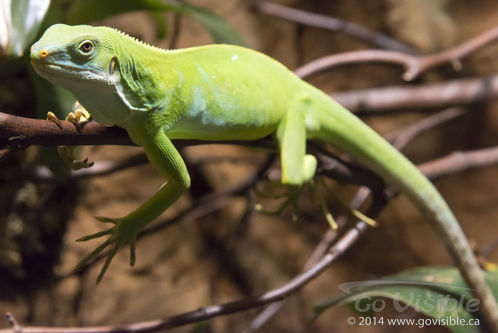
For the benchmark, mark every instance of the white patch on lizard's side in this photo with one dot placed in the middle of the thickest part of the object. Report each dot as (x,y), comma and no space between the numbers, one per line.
(204,76)
(235,57)
(181,80)
(198,109)
(198,105)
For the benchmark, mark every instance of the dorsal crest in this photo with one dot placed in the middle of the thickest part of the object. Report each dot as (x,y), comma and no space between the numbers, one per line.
(134,39)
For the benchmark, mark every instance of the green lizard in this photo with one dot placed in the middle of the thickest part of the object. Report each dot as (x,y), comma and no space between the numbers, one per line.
(223,92)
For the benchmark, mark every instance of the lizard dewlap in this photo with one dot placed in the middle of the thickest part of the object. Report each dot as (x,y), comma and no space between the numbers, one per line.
(223,92)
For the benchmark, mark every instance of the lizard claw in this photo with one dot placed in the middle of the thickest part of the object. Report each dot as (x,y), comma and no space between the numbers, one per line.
(53,118)
(67,154)
(78,116)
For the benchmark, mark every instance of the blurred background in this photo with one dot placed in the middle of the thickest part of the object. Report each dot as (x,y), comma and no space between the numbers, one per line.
(212,250)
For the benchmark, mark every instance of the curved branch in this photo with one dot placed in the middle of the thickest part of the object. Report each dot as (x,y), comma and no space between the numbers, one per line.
(400,138)
(414,65)
(331,23)
(19,132)
(426,96)
(459,161)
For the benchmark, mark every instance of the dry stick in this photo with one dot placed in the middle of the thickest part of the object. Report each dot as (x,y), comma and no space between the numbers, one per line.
(19,132)
(459,161)
(331,23)
(414,65)
(426,96)
(400,138)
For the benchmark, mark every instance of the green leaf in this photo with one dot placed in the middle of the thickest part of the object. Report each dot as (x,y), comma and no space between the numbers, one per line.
(84,11)
(437,292)
(19,24)
(219,29)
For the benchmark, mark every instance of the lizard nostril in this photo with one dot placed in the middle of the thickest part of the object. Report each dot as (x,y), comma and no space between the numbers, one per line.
(43,53)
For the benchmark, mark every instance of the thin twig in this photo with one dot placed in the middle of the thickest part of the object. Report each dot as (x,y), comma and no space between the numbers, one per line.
(426,96)
(487,249)
(331,23)
(400,138)
(459,161)
(414,65)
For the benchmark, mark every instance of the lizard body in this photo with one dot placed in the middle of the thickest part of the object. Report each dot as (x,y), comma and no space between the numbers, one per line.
(223,92)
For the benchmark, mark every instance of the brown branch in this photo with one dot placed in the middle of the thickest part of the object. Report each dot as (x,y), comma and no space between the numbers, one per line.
(414,65)
(427,96)
(459,161)
(19,132)
(331,23)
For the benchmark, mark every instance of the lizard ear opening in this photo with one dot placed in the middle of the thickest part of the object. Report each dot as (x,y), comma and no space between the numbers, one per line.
(114,70)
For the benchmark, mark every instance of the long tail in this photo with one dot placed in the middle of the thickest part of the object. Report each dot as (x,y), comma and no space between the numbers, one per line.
(342,129)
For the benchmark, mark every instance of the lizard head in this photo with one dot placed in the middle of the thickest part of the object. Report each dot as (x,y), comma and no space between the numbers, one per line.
(70,55)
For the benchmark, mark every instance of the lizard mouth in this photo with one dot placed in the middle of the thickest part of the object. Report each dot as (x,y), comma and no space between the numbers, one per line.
(59,67)
(50,67)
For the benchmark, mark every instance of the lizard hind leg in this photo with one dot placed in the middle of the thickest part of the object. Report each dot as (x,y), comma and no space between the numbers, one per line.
(298,168)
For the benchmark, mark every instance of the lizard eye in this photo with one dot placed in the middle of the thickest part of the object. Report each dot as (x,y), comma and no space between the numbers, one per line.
(86,47)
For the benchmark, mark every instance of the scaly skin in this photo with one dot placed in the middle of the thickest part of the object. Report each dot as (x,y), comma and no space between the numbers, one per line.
(223,92)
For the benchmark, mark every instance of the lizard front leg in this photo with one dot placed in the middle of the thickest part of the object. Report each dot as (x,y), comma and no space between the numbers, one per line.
(78,116)
(164,156)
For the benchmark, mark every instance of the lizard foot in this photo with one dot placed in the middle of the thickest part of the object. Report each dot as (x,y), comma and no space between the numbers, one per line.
(119,235)
(290,195)
(78,116)
(346,209)
(67,154)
